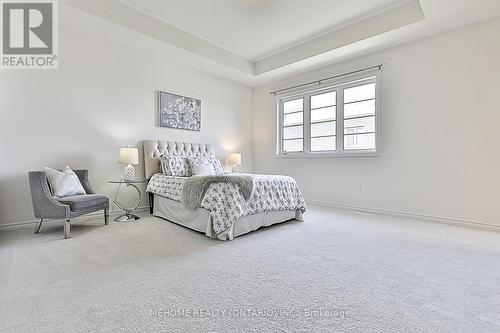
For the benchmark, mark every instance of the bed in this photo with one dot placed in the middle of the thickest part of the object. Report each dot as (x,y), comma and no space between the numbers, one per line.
(223,213)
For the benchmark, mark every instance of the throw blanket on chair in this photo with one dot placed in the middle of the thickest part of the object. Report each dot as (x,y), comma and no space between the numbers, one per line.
(195,187)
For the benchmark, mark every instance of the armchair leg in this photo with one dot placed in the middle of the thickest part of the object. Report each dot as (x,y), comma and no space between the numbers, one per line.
(37,228)
(67,230)
(106,216)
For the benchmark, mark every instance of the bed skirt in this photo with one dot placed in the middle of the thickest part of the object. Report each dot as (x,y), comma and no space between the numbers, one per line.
(199,219)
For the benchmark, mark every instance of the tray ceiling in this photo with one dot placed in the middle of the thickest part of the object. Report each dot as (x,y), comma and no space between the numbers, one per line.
(255,29)
(258,41)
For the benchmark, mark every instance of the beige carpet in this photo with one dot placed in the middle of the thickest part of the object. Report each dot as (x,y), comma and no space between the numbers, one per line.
(338,271)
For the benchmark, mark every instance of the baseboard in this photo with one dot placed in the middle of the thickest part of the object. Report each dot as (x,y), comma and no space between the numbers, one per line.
(96,214)
(439,219)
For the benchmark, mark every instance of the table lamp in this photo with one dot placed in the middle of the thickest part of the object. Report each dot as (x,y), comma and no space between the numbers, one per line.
(235,160)
(129,156)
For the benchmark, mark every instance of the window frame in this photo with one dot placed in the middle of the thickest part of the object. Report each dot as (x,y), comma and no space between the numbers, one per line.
(339,86)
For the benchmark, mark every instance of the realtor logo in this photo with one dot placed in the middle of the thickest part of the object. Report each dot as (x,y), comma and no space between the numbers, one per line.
(29,34)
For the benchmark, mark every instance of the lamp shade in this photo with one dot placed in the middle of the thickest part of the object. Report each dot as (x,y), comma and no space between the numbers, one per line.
(234,159)
(129,155)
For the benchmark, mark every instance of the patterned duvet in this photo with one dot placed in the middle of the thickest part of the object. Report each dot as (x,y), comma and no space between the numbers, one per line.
(225,202)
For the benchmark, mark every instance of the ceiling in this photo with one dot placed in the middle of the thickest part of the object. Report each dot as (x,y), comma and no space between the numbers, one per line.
(255,29)
(258,41)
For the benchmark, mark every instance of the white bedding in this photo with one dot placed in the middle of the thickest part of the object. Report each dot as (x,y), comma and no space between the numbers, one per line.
(225,202)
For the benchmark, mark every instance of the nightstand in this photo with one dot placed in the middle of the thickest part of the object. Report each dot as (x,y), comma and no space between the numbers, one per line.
(128,215)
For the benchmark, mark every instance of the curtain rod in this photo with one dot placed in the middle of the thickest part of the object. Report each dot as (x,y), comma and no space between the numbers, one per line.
(327,79)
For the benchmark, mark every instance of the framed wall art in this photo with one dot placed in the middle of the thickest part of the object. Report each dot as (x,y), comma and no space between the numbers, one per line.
(179,112)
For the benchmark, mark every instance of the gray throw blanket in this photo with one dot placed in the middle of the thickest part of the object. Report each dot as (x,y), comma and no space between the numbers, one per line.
(195,187)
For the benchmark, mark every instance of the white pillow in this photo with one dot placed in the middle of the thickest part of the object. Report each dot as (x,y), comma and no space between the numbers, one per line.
(203,170)
(64,183)
(209,159)
(201,166)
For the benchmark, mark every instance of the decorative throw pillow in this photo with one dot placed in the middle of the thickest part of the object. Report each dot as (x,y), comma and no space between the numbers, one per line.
(209,159)
(175,165)
(201,166)
(217,166)
(165,168)
(64,183)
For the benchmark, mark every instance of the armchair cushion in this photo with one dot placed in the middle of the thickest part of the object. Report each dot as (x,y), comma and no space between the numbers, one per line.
(64,183)
(83,202)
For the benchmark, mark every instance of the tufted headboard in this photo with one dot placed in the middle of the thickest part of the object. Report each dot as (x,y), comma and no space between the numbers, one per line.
(154,149)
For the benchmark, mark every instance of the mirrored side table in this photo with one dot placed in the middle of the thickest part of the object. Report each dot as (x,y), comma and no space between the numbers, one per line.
(128,215)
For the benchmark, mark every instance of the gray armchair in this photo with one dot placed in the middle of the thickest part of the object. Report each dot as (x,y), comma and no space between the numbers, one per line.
(46,206)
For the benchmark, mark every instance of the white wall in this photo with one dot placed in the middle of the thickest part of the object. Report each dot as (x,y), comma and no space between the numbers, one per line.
(103,97)
(440,132)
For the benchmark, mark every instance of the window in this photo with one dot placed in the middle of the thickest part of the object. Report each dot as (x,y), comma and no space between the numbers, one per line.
(293,125)
(359,117)
(334,121)
(323,121)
